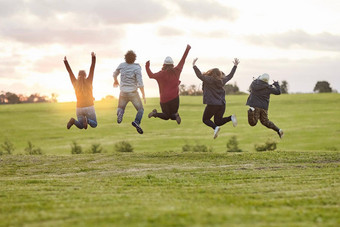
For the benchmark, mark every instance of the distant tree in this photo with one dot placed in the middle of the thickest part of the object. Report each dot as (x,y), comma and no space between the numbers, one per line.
(231,88)
(284,87)
(12,98)
(54,97)
(183,90)
(322,87)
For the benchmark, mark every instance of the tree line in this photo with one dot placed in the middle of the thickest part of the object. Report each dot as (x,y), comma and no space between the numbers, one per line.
(12,98)
(233,89)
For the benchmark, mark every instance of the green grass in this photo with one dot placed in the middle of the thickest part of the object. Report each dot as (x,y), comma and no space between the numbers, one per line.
(158,184)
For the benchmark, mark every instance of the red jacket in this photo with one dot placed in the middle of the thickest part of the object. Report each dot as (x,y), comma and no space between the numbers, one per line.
(168,80)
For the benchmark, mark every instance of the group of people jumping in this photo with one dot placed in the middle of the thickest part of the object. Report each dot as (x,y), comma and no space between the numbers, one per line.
(168,81)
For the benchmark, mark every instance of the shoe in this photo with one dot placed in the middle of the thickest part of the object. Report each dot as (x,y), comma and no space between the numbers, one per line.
(216,131)
(85,123)
(178,118)
(280,132)
(234,120)
(251,108)
(139,129)
(70,123)
(153,113)
(120,117)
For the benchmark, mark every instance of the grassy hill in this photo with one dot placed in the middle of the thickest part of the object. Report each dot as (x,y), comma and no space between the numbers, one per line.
(158,184)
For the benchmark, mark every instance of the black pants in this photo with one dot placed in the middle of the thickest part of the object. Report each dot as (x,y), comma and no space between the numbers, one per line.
(217,111)
(169,109)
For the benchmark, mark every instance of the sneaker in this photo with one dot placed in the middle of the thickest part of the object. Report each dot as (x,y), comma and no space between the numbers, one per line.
(251,108)
(120,117)
(216,131)
(280,132)
(153,113)
(85,123)
(70,123)
(234,120)
(139,129)
(178,118)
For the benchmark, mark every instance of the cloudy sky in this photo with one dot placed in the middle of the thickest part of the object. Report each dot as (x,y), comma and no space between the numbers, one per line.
(293,40)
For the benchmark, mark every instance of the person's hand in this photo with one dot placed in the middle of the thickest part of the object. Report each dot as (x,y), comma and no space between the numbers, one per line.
(194,61)
(188,46)
(144,99)
(93,54)
(65,59)
(275,83)
(147,64)
(115,83)
(236,61)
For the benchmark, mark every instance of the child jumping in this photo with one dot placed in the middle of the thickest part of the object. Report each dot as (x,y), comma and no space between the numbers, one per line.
(83,89)
(258,102)
(130,81)
(214,96)
(168,82)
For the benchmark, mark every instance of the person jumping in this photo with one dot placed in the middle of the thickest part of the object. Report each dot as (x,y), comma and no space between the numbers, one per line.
(214,96)
(83,89)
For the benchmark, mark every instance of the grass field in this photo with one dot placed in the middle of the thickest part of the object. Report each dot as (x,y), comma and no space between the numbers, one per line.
(158,184)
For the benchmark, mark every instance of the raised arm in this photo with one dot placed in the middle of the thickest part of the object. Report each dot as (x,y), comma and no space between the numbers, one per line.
(93,64)
(276,90)
(232,72)
(182,61)
(148,70)
(69,70)
(198,73)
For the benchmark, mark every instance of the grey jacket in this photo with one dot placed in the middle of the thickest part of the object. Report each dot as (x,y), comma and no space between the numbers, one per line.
(260,93)
(213,91)
(130,76)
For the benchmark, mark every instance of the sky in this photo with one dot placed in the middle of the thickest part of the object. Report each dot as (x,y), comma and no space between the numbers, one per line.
(293,40)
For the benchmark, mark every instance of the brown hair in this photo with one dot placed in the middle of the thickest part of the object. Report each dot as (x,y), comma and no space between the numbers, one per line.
(81,85)
(215,73)
(167,67)
(130,57)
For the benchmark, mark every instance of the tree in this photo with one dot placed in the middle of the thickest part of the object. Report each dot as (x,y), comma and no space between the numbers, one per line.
(12,98)
(284,87)
(231,89)
(322,87)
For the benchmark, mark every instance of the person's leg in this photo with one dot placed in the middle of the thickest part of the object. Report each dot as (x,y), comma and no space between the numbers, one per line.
(266,122)
(174,115)
(91,116)
(207,115)
(165,111)
(137,103)
(81,118)
(122,102)
(218,117)
(253,116)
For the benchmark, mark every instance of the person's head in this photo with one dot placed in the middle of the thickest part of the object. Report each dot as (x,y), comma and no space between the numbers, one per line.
(130,57)
(168,63)
(81,75)
(215,73)
(264,77)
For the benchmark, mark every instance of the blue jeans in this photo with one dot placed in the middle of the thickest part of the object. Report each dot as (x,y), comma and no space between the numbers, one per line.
(87,112)
(124,98)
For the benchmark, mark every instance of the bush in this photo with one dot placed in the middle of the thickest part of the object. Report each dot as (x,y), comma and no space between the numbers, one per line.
(7,147)
(268,146)
(75,148)
(123,146)
(232,145)
(31,150)
(196,148)
(95,149)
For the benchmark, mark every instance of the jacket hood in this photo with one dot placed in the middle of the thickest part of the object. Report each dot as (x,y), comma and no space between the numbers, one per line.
(258,85)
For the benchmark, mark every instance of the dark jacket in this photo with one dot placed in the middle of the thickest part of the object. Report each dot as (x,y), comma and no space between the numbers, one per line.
(260,93)
(213,91)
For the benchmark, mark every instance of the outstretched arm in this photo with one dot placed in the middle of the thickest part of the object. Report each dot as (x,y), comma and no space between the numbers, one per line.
(93,64)
(233,70)
(182,61)
(69,70)
(277,89)
(148,70)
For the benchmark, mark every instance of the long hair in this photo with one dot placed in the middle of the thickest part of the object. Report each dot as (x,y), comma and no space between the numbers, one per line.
(130,57)
(81,86)
(215,73)
(167,66)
